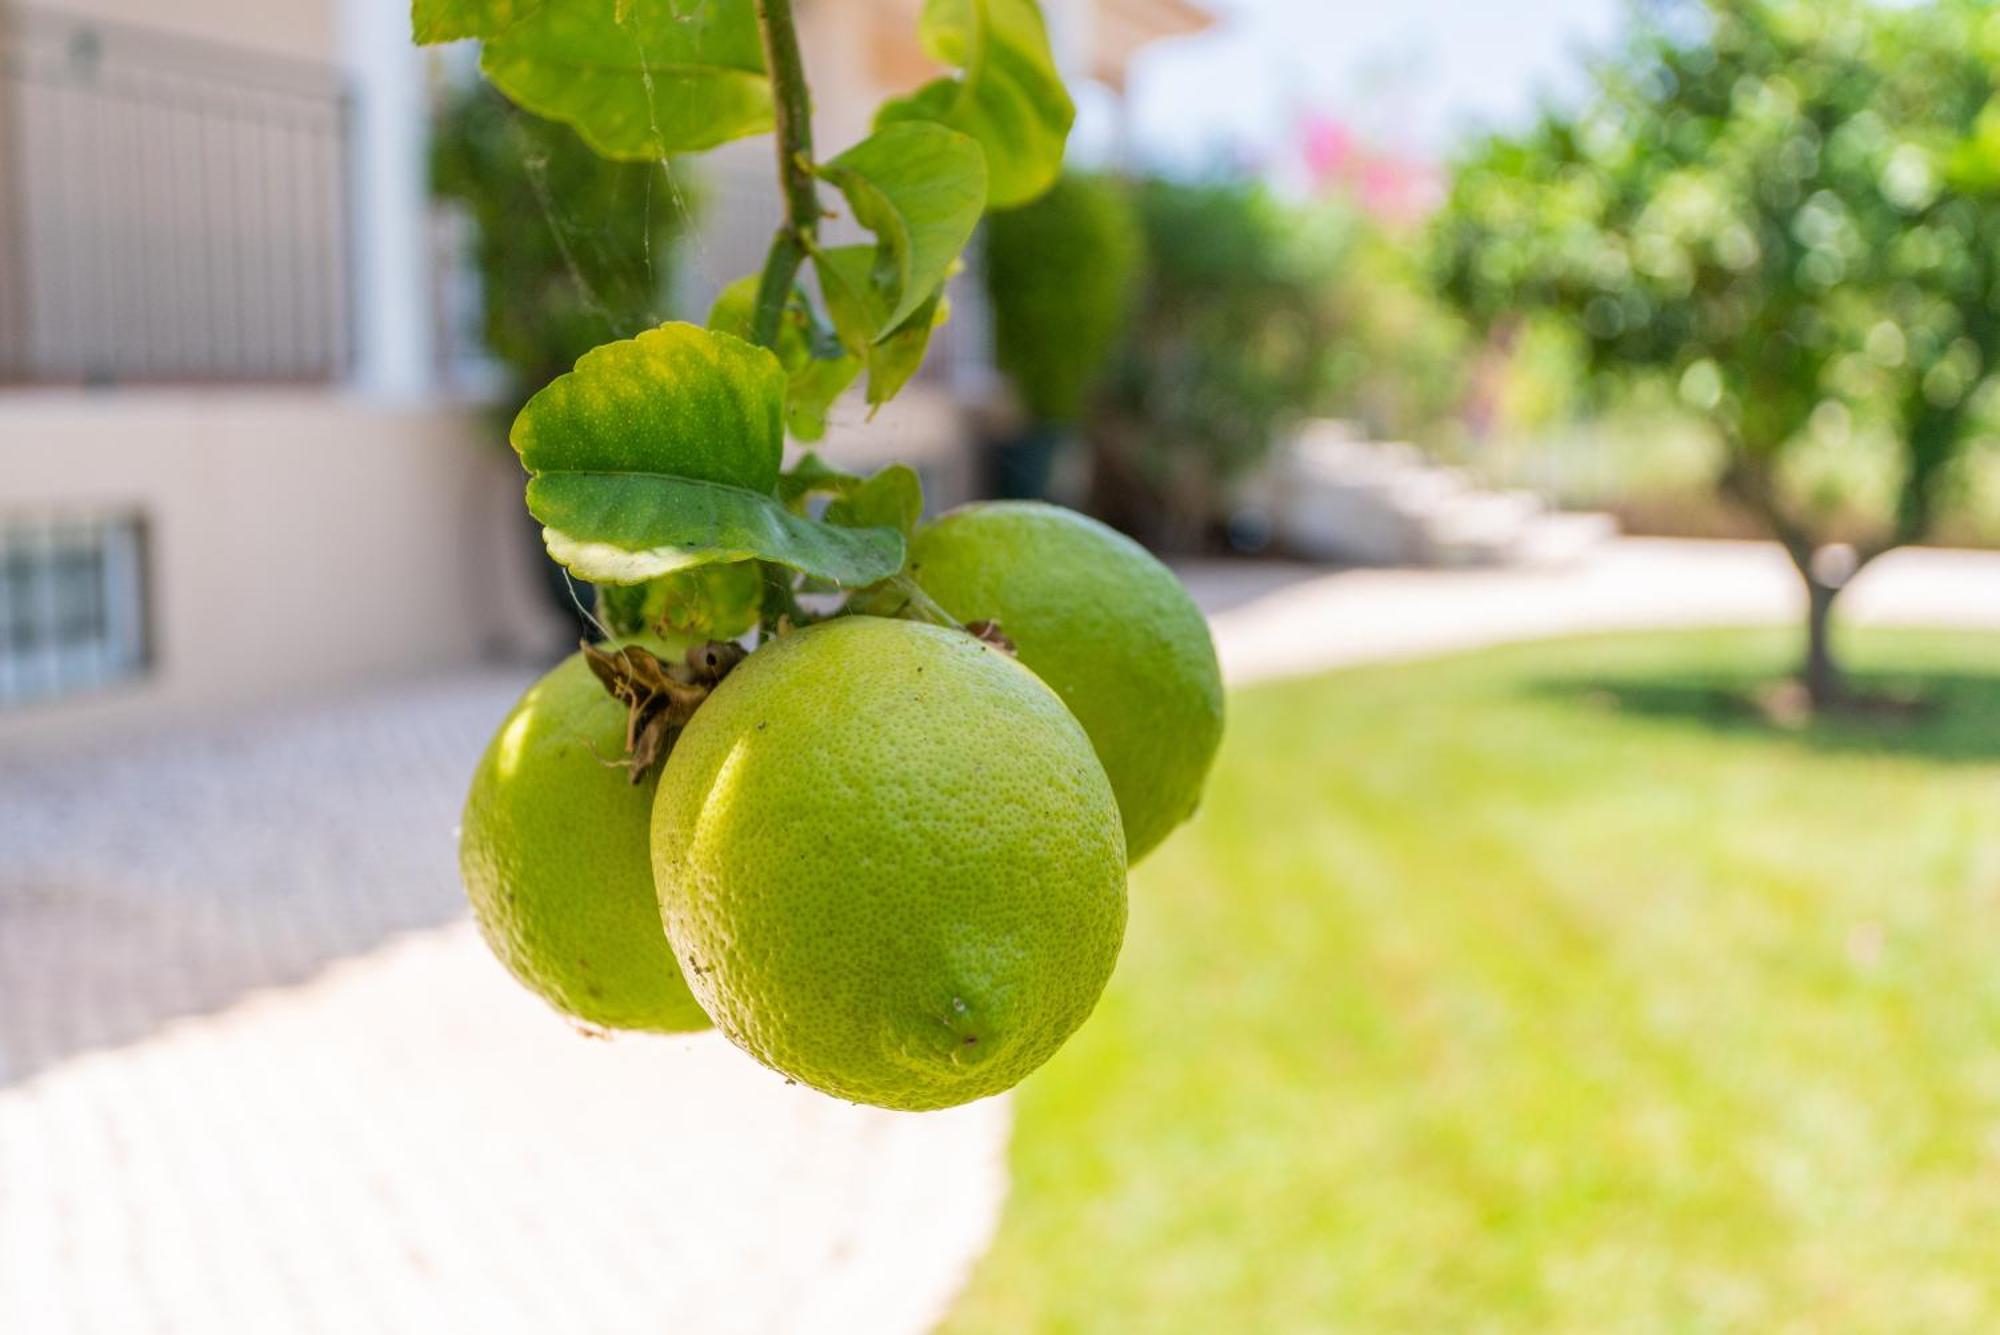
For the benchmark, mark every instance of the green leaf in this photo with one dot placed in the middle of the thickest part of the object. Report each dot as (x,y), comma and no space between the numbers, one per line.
(1009,96)
(638,79)
(857,307)
(857,304)
(893,361)
(661,452)
(814,387)
(818,368)
(628,527)
(711,602)
(813,476)
(920,188)
(449,20)
(892,498)
(734,312)
(623,609)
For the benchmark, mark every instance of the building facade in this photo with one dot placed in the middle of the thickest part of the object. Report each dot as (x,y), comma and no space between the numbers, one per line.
(232,468)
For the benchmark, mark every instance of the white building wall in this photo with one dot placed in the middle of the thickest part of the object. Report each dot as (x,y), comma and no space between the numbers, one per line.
(302,540)
(297,542)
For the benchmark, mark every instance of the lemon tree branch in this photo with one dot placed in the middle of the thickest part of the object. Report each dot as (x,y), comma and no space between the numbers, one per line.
(793,104)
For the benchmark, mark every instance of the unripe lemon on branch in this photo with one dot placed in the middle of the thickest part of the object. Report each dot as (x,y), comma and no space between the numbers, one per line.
(1105,624)
(553,849)
(890,864)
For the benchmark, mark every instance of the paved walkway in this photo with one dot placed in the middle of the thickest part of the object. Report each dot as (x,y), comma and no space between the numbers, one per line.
(257,1074)
(1277,620)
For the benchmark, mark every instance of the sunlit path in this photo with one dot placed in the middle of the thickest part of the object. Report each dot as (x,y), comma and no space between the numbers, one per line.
(1294,620)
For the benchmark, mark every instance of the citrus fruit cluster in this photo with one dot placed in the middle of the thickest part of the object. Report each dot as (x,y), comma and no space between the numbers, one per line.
(885,856)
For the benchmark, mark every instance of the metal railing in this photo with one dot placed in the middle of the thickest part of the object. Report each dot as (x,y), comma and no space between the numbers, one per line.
(170,210)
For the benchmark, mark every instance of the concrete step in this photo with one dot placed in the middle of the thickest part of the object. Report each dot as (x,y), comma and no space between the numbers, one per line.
(1478,528)
(1333,497)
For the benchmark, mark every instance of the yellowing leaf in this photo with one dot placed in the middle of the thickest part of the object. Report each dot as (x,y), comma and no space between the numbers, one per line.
(449,20)
(677,400)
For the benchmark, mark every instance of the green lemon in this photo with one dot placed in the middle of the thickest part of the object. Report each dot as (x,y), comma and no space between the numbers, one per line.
(890,864)
(553,852)
(1106,625)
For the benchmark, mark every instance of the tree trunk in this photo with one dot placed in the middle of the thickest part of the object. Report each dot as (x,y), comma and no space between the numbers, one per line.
(1826,688)
(1824,568)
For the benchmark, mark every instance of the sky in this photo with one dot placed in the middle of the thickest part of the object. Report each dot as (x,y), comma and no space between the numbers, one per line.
(1410,75)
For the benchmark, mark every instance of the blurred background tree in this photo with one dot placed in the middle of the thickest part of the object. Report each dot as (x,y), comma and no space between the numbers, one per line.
(1060,276)
(1786,214)
(1397,360)
(1253,313)
(1223,346)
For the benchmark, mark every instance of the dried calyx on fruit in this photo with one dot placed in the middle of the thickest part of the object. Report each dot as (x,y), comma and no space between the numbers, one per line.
(659,697)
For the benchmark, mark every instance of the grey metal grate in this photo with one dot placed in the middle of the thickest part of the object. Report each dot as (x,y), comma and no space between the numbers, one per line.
(170,210)
(72,604)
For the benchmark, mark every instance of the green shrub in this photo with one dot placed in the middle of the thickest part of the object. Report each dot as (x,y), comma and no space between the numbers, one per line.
(1061,273)
(1224,346)
(1254,313)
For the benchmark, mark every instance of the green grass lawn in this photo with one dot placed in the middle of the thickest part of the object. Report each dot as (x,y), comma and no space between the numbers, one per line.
(1545,988)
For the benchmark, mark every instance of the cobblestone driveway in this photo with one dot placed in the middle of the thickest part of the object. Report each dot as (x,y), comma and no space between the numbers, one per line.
(257,1074)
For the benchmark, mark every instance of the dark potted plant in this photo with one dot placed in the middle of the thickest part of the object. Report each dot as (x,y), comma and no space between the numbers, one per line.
(1061,274)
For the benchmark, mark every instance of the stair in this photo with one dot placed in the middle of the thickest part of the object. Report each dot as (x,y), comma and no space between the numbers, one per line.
(1338,498)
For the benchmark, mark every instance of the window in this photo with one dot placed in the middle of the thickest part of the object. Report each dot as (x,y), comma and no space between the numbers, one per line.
(72,604)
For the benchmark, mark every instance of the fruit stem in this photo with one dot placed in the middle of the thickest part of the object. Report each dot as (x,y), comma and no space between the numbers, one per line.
(792,105)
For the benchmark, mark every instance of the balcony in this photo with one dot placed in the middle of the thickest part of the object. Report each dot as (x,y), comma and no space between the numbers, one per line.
(171,211)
